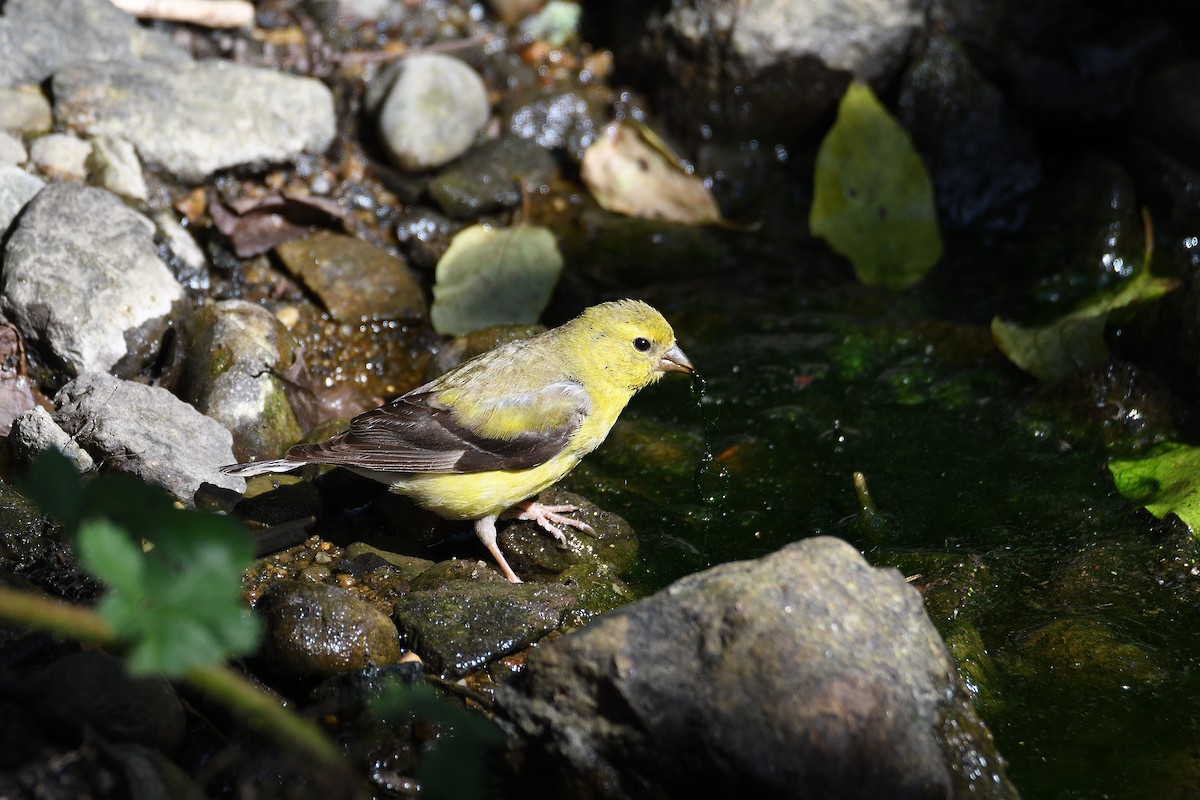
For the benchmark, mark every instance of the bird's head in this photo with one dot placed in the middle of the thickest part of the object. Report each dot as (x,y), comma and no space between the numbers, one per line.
(630,345)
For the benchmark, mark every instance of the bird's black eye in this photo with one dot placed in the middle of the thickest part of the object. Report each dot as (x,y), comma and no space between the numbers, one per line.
(642,344)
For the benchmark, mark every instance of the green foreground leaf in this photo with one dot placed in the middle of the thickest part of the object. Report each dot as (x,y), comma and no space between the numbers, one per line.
(873,200)
(175,607)
(494,276)
(1165,482)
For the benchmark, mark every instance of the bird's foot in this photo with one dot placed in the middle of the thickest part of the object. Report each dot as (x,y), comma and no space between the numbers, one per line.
(549,518)
(485,529)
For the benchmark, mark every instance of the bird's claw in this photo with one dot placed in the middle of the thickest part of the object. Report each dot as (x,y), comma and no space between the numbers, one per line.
(549,518)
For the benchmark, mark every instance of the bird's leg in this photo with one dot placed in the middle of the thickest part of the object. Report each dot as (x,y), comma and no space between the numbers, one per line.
(485,529)
(549,517)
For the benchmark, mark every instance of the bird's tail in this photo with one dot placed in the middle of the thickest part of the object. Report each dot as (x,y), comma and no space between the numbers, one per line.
(251,468)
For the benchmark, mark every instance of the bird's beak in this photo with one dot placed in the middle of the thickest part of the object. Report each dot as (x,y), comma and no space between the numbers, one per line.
(675,361)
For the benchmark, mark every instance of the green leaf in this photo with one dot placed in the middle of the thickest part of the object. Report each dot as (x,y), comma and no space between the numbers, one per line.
(178,605)
(1077,339)
(1165,482)
(108,553)
(873,200)
(494,276)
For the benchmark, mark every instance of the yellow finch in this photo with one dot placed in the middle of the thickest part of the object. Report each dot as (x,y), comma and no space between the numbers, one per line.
(496,430)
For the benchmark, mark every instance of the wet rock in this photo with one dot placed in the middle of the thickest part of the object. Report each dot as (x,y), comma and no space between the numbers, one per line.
(92,689)
(980,156)
(40,37)
(1087,229)
(1084,655)
(952,586)
(183,254)
(279,499)
(1168,110)
(236,353)
(803,674)
(149,775)
(146,432)
(1116,403)
(407,567)
(35,432)
(12,150)
(431,108)
(462,625)
(83,281)
(24,532)
(425,235)
(61,155)
(975,665)
(530,549)
(1116,575)
(570,120)
(24,110)
(764,70)
(314,629)
(196,118)
(494,176)
(114,165)
(355,280)
(17,187)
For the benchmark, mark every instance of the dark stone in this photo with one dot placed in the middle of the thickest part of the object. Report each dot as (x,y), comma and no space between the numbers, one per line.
(93,689)
(803,674)
(314,629)
(463,625)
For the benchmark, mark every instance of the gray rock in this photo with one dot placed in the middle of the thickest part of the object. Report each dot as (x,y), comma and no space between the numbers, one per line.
(35,432)
(17,187)
(236,353)
(114,165)
(431,108)
(181,242)
(61,155)
(314,629)
(769,68)
(40,37)
(194,119)
(803,674)
(12,149)
(82,280)
(146,432)
(24,110)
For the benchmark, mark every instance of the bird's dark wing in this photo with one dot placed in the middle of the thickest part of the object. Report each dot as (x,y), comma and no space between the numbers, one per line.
(420,433)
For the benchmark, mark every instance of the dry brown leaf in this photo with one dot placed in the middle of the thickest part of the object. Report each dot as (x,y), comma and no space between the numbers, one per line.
(256,224)
(630,171)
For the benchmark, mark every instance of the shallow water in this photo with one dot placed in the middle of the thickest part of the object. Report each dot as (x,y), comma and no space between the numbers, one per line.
(805,385)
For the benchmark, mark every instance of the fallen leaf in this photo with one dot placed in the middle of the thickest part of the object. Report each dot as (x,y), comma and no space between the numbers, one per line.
(494,276)
(256,224)
(1077,339)
(872,198)
(630,171)
(1165,482)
